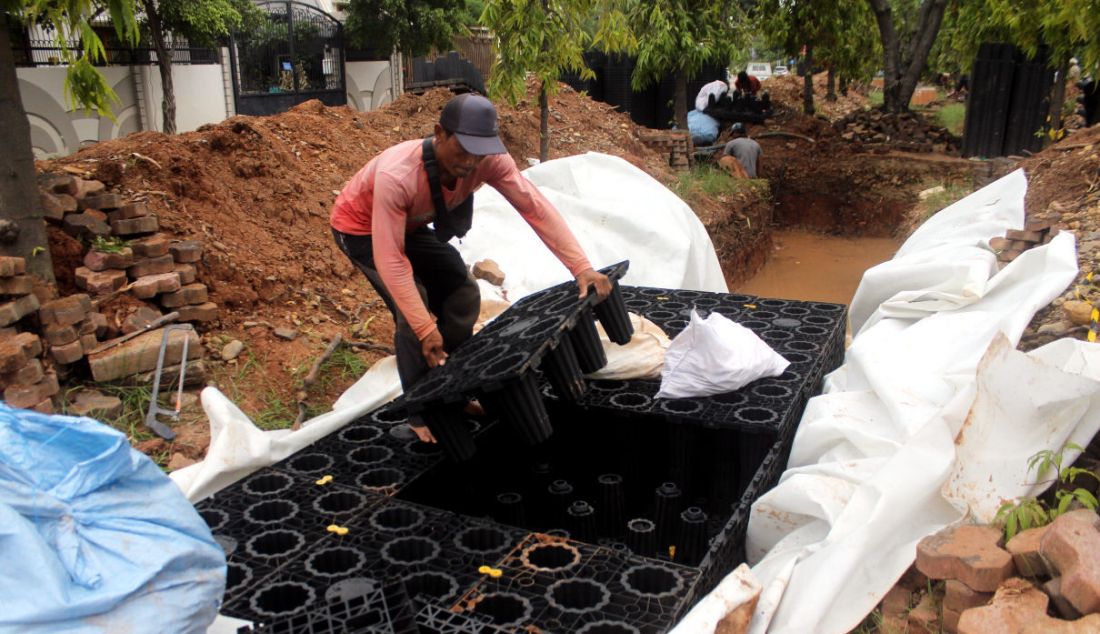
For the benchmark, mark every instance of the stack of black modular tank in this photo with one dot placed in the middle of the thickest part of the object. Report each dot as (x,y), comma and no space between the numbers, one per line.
(551,331)
(631,510)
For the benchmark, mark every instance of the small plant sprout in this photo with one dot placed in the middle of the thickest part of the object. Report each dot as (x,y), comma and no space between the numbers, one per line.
(1024,513)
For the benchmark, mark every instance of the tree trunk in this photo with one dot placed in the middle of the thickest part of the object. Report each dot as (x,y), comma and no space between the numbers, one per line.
(844,86)
(900,75)
(164,64)
(830,92)
(808,82)
(1057,99)
(544,124)
(24,232)
(680,99)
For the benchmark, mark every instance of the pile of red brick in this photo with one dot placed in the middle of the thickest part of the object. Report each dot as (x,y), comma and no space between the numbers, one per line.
(146,263)
(675,144)
(1015,241)
(1054,569)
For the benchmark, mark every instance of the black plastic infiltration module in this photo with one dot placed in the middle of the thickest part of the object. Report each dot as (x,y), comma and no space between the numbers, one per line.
(497,363)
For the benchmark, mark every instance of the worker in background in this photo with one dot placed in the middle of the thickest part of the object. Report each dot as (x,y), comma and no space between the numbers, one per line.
(741,156)
(710,93)
(746,83)
(380,221)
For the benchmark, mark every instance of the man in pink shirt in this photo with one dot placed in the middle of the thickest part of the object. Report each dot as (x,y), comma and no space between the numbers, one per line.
(380,221)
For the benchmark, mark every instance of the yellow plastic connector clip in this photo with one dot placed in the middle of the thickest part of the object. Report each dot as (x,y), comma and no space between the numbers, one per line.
(750,305)
(339,530)
(484,570)
(496,573)
(323,481)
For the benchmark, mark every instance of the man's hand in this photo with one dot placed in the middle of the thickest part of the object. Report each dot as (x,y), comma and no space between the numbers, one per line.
(594,278)
(432,349)
(423,433)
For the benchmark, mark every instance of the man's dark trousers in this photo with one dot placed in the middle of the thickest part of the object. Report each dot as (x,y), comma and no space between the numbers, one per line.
(445,286)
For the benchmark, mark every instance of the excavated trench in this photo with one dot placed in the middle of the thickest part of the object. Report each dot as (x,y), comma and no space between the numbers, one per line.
(823,227)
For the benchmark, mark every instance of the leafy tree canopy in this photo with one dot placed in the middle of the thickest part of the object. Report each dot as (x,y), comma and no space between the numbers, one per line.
(204,22)
(414,27)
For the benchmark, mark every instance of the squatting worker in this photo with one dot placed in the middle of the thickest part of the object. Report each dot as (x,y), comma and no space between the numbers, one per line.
(380,221)
(741,155)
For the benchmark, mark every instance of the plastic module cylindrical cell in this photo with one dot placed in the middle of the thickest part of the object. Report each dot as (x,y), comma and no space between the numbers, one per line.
(445,421)
(679,406)
(274,512)
(282,598)
(339,503)
(509,509)
(692,543)
(519,404)
(641,537)
(409,551)
(435,585)
(582,520)
(370,455)
(310,463)
(613,316)
(483,540)
(667,500)
(577,596)
(359,434)
(652,581)
(385,480)
(393,518)
(563,370)
(551,557)
(586,343)
(238,575)
(503,608)
(333,562)
(612,502)
(275,545)
(388,416)
(630,400)
(608,626)
(267,483)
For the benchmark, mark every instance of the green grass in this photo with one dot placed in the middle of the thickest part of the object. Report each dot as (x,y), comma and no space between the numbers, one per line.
(276,414)
(952,117)
(705,180)
(874,98)
(951,194)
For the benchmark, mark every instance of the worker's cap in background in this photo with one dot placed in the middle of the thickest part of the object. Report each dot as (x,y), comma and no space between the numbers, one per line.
(473,119)
(737,127)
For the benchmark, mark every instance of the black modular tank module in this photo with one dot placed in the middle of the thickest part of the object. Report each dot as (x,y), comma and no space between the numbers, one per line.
(575,505)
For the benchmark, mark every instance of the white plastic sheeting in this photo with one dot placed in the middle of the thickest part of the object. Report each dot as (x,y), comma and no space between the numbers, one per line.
(616,211)
(929,422)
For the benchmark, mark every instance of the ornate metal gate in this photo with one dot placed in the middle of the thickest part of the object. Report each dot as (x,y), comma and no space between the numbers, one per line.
(295,55)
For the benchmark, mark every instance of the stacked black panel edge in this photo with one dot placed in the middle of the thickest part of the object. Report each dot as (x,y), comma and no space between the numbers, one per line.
(552,331)
(318,542)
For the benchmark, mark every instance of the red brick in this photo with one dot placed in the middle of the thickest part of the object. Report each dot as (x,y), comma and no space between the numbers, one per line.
(128,212)
(1026,236)
(100,282)
(13,311)
(134,226)
(100,261)
(17,285)
(59,335)
(140,354)
(66,310)
(31,395)
(967,553)
(68,353)
(99,320)
(85,188)
(102,202)
(12,356)
(138,319)
(58,183)
(187,273)
(489,271)
(88,342)
(86,327)
(29,374)
(151,266)
(185,296)
(30,342)
(186,251)
(1024,548)
(1071,546)
(10,265)
(96,405)
(97,214)
(55,206)
(150,286)
(998,244)
(85,226)
(45,407)
(200,312)
(150,246)
(959,597)
(1064,608)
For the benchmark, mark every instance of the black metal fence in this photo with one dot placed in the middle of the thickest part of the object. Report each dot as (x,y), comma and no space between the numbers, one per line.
(38,46)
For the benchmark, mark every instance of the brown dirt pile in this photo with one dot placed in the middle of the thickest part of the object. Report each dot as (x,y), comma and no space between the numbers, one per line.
(908,131)
(258,190)
(787,91)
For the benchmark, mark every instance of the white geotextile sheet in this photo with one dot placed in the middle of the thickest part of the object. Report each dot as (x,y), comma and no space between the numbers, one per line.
(617,212)
(930,420)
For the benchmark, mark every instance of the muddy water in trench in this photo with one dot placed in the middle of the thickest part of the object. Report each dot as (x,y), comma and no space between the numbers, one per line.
(816,267)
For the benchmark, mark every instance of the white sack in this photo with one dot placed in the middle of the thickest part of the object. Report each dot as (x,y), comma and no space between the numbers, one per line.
(714,356)
(873,453)
(616,211)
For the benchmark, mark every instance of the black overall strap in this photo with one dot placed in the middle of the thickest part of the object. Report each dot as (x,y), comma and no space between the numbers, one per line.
(432,168)
(448,223)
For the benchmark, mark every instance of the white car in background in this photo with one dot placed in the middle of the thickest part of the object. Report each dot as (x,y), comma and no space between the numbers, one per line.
(779,71)
(759,70)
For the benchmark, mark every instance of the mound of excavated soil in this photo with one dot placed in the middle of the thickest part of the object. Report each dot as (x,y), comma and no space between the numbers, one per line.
(258,190)
(787,90)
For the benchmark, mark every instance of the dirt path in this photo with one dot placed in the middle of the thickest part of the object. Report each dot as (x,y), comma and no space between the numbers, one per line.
(810,266)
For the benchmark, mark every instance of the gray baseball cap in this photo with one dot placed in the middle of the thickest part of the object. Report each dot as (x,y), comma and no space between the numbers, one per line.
(473,119)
